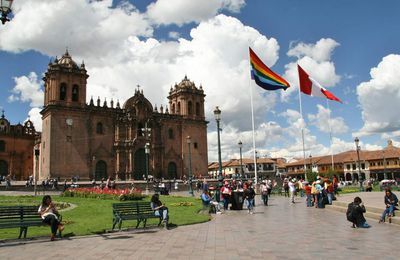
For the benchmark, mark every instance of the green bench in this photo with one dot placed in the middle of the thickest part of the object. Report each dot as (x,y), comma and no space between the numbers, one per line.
(138,210)
(20,217)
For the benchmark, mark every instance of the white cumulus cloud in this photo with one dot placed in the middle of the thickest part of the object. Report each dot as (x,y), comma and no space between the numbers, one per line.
(379,97)
(27,89)
(182,11)
(325,123)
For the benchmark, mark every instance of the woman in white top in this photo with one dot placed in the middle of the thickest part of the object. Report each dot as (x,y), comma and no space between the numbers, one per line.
(49,214)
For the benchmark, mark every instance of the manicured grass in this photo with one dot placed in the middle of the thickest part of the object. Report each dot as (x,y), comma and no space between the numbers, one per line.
(91,216)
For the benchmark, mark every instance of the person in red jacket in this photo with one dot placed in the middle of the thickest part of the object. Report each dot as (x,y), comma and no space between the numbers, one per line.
(307,189)
(226,194)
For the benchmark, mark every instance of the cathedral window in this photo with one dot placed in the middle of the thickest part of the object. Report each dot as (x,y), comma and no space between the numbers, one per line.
(190,108)
(2,146)
(140,130)
(178,109)
(173,109)
(75,93)
(99,128)
(170,133)
(63,91)
(197,109)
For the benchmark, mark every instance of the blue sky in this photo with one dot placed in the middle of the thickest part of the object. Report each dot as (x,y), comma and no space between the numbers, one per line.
(350,47)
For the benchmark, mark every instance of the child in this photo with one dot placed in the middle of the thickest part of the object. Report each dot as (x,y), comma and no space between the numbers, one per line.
(307,189)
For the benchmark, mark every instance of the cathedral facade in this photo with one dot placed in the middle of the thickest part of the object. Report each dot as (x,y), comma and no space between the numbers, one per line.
(16,149)
(100,139)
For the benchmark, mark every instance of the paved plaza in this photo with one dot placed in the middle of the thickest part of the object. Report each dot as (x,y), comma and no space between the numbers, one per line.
(279,231)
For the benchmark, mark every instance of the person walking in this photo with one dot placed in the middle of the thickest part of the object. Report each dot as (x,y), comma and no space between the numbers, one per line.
(391,202)
(286,187)
(292,189)
(249,195)
(264,192)
(307,189)
(226,194)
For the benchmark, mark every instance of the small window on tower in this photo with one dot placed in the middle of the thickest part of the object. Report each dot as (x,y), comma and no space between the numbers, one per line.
(197,109)
(170,133)
(190,108)
(99,128)
(75,93)
(2,146)
(195,145)
(63,91)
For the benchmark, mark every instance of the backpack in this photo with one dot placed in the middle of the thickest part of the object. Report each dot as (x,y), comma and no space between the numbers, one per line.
(350,213)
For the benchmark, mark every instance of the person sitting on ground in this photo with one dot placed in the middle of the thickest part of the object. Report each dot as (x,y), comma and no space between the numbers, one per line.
(50,216)
(391,202)
(159,209)
(355,214)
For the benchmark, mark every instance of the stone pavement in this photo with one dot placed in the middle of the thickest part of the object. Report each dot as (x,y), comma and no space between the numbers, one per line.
(279,231)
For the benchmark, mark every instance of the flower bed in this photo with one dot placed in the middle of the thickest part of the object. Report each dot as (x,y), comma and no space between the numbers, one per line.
(97,193)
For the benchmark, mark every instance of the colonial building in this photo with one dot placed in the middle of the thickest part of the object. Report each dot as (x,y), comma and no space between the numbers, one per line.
(379,164)
(16,149)
(266,168)
(103,139)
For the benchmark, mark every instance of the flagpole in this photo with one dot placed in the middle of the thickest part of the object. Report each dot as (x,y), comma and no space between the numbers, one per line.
(330,133)
(252,124)
(302,137)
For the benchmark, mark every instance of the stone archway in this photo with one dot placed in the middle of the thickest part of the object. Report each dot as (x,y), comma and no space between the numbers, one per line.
(172,171)
(140,164)
(101,170)
(348,177)
(3,168)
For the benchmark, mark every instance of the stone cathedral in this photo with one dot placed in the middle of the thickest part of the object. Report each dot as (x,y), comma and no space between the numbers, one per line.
(104,139)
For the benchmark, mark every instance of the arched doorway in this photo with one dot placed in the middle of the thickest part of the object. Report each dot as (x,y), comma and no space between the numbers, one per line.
(101,170)
(348,176)
(140,164)
(172,174)
(3,168)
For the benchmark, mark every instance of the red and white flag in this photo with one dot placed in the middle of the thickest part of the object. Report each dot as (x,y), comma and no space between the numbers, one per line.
(310,86)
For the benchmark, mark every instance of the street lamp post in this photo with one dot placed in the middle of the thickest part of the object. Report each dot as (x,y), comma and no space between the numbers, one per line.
(384,166)
(37,153)
(189,141)
(94,167)
(217,114)
(360,180)
(241,163)
(147,152)
(5,9)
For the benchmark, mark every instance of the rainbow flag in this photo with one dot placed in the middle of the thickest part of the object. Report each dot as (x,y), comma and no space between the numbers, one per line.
(263,76)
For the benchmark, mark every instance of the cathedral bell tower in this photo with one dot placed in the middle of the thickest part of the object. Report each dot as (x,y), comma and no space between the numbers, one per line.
(187,100)
(65,83)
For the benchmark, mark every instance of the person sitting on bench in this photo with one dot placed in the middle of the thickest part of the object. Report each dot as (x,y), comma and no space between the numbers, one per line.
(49,214)
(159,209)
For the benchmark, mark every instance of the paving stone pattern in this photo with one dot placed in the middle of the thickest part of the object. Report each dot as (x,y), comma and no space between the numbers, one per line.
(279,231)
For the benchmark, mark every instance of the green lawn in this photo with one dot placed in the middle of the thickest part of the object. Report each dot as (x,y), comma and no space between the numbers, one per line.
(91,216)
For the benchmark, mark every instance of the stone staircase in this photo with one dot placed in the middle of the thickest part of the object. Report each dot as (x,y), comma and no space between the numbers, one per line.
(372,213)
